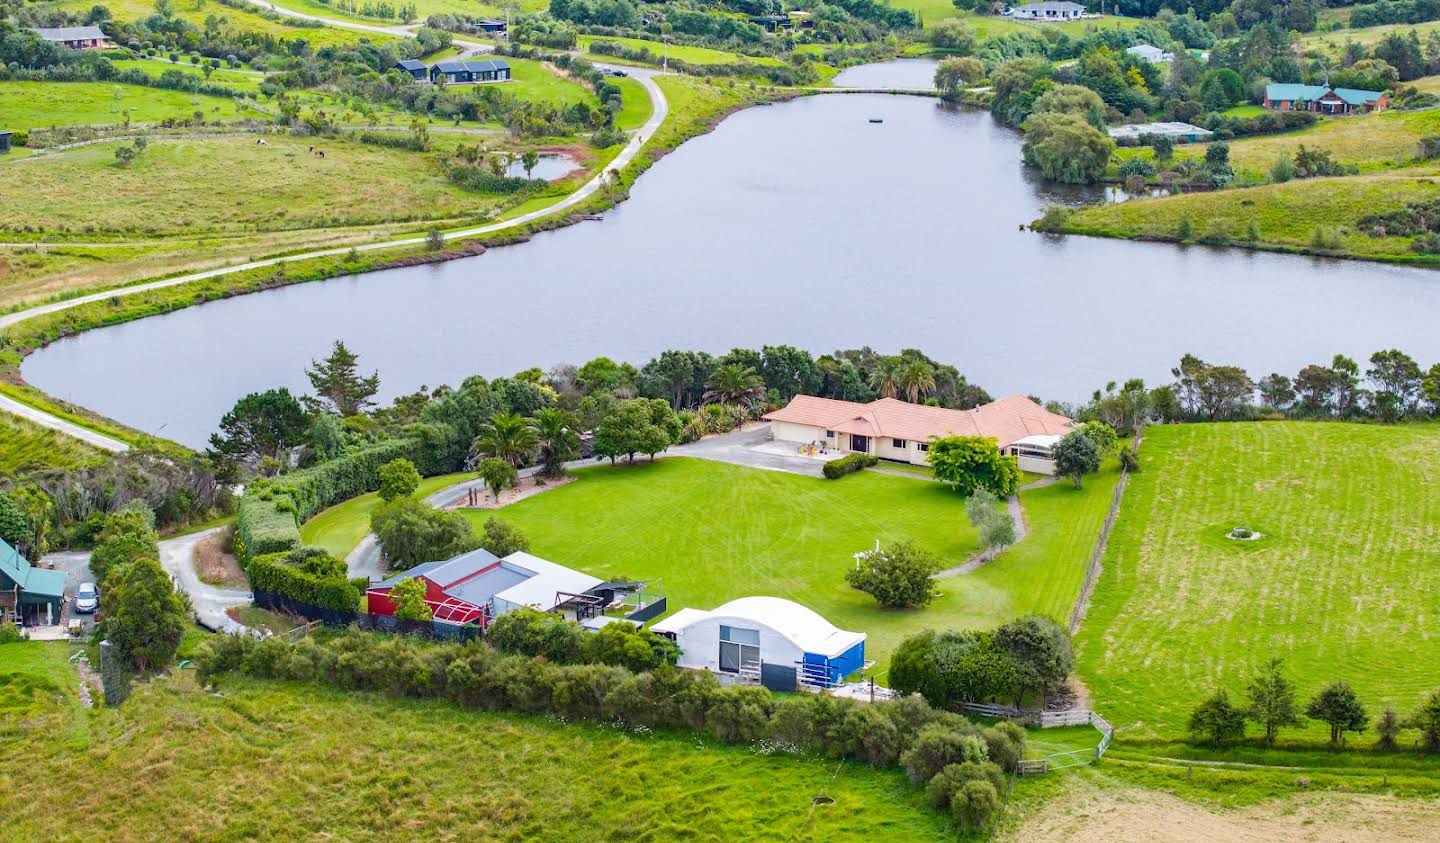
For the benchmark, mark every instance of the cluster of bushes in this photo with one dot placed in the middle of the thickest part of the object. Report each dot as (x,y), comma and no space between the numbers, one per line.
(837,468)
(960,763)
(777,74)
(1394,11)
(1415,218)
(272,509)
(307,575)
(486,180)
(1027,657)
(143,614)
(527,632)
(1270,703)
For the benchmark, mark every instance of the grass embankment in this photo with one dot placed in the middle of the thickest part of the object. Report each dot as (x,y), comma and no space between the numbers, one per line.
(1287,215)
(37,105)
(166,764)
(1341,585)
(341,527)
(711,532)
(26,446)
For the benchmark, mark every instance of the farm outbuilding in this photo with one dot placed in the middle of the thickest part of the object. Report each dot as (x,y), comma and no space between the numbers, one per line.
(33,594)
(758,636)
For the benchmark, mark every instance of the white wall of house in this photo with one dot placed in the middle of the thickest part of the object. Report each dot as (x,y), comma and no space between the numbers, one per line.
(1036,465)
(801,434)
(700,643)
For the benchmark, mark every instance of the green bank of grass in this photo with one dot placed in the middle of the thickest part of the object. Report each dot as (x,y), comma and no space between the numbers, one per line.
(711,532)
(534,82)
(692,55)
(26,446)
(341,527)
(289,761)
(1341,585)
(249,81)
(637,107)
(38,105)
(1287,215)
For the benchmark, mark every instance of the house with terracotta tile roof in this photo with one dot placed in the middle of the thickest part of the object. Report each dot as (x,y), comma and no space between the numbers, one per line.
(892,429)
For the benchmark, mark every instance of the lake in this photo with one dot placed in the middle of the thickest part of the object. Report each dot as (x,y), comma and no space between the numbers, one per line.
(800,223)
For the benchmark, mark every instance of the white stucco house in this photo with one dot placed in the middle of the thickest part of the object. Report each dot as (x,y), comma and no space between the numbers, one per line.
(1050,10)
(750,637)
(1150,53)
(892,429)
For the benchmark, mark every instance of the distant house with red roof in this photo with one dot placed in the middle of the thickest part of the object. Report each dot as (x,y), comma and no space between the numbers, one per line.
(892,429)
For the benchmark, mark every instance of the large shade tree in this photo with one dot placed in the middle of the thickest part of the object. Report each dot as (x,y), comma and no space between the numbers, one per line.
(262,424)
(338,383)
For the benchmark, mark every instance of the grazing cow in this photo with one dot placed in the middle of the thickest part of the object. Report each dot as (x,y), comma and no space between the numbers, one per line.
(320,152)
(312,150)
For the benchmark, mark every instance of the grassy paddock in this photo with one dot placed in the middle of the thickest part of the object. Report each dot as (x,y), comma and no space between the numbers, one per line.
(166,764)
(1340,585)
(38,105)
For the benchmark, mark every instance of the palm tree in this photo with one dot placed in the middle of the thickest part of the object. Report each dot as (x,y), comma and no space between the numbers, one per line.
(509,436)
(734,384)
(885,377)
(918,379)
(558,440)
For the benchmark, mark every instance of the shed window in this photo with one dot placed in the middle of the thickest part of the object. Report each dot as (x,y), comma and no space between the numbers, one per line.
(740,635)
(739,650)
(898,443)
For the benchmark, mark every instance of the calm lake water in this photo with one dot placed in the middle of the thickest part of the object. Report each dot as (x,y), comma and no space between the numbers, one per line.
(800,223)
(911,74)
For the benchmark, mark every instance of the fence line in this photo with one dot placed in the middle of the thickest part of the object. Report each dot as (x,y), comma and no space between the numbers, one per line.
(1051,720)
(1092,571)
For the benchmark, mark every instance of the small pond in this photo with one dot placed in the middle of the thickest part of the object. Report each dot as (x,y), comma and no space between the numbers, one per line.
(552,165)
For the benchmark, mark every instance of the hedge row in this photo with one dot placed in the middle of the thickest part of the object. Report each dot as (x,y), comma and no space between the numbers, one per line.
(296,575)
(837,468)
(269,516)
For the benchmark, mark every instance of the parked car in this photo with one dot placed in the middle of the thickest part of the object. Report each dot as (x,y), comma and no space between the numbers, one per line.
(618,73)
(87,599)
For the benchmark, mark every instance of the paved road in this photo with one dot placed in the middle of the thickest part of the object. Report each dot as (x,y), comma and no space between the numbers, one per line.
(660,108)
(177,557)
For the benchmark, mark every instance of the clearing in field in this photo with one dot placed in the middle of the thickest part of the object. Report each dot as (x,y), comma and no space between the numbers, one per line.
(711,532)
(1341,585)
(291,761)
(39,105)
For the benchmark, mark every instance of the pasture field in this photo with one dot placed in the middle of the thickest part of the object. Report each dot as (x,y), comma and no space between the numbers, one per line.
(1286,215)
(1341,585)
(242,20)
(171,188)
(38,105)
(346,10)
(711,532)
(296,761)
(1333,43)
(26,446)
(693,55)
(246,80)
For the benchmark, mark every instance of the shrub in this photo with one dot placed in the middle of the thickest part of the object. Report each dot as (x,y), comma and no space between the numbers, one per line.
(951,779)
(1217,721)
(307,575)
(837,468)
(899,576)
(398,479)
(411,532)
(969,463)
(503,539)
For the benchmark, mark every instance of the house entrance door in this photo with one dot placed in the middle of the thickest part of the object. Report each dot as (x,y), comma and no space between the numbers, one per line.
(860,443)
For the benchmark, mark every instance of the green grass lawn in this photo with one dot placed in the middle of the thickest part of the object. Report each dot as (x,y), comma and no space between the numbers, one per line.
(1287,215)
(637,107)
(341,527)
(26,446)
(1333,43)
(1244,111)
(711,532)
(693,55)
(272,760)
(536,83)
(32,105)
(248,81)
(1342,585)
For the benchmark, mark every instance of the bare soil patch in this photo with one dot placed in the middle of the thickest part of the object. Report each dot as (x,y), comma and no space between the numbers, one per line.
(528,487)
(215,563)
(1106,815)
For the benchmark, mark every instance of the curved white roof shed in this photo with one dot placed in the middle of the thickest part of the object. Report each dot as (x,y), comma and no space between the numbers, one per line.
(741,636)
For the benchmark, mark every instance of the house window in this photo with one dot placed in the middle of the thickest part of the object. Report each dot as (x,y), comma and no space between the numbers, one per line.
(922,446)
(898,443)
(739,649)
(829,434)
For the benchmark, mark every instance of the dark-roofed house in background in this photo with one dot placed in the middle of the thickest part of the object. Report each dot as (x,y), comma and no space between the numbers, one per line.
(415,68)
(76,37)
(1323,100)
(470,72)
(32,593)
(898,430)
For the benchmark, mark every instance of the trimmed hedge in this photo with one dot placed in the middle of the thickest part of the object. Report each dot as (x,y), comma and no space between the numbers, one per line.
(307,575)
(269,516)
(837,468)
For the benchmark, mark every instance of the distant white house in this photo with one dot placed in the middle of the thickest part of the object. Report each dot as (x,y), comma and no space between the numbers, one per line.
(75,37)
(778,642)
(1050,10)
(1150,53)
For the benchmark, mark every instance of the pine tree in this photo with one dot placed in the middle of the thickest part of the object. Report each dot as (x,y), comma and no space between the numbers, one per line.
(336,379)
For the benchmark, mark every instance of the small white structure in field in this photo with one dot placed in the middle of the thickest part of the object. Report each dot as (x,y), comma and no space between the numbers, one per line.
(753,636)
(1150,53)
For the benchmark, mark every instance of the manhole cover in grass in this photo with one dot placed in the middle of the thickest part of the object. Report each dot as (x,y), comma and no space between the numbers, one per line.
(823,800)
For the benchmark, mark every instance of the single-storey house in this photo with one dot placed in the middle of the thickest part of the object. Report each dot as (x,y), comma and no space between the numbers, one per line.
(892,429)
(469,72)
(492,27)
(30,593)
(1322,99)
(415,68)
(1179,132)
(75,37)
(477,587)
(1150,53)
(1050,10)
(765,637)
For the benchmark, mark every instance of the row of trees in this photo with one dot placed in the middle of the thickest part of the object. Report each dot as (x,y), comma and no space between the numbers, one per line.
(1270,702)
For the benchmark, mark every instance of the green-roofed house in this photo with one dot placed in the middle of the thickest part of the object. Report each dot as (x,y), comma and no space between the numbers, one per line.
(1322,99)
(34,594)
